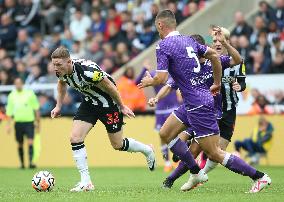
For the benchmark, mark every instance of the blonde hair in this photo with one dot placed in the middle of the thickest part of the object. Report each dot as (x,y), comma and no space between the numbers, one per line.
(226,32)
(60,52)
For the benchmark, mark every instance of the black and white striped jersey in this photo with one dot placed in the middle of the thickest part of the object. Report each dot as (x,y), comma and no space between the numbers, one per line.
(85,75)
(229,96)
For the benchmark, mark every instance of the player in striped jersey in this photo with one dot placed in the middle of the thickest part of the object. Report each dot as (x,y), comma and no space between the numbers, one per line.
(101,102)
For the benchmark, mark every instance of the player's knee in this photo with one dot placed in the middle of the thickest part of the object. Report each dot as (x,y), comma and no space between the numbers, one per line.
(214,156)
(75,138)
(164,137)
(116,146)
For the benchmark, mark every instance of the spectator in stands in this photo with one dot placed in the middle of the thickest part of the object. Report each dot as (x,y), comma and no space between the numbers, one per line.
(133,97)
(259,142)
(148,36)
(260,106)
(190,9)
(74,5)
(279,13)
(244,49)
(122,55)
(80,25)
(8,66)
(27,15)
(277,56)
(67,39)
(51,15)
(4,78)
(50,77)
(46,104)
(8,33)
(266,12)
(108,65)
(130,33)
(34,76)
(115,36)
(259,26)
(22,44)
(98,24)
(94,52)
(242,28)
(113,23)
(178,14)
(77,50)
(22,71)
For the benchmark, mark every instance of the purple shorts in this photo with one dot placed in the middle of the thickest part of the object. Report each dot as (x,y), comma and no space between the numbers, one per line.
(180,114)
(160,120)
(202,120)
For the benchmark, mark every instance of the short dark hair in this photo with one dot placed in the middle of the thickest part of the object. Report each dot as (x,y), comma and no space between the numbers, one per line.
(168,17)
(60,52)
(198,38)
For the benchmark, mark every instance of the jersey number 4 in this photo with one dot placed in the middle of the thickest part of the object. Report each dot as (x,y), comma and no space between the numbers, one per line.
(191,54)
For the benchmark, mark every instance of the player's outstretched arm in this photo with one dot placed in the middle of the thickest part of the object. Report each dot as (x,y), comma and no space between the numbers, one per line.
(107,86)
(61,91)
(158,79)
(217,69)
(164,91)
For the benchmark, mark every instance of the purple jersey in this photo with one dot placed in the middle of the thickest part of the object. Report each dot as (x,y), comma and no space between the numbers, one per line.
(165,105)
(178,55)
(206,76)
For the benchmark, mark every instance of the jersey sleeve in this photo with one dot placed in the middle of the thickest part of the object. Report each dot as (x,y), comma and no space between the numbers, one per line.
(225,61)
(94,76)
(162,59)
(172,84)
(34,101)
(201,49)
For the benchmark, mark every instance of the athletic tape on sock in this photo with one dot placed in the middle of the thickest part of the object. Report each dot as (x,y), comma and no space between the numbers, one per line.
(172,143)
(226,159)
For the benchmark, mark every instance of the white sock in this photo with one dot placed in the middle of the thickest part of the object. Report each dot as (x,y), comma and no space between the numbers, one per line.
(210,165)
(131,145)
(80,157)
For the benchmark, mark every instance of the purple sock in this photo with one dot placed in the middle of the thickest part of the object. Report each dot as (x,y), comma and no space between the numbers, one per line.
(180,149)
(165,152)
(179,171)
(239,166)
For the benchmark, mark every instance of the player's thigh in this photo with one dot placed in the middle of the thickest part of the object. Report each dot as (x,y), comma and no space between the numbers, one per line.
(184,136)
(223,143)
(79,131)
(210,145)
(171,128)
(195,149)
(116,139)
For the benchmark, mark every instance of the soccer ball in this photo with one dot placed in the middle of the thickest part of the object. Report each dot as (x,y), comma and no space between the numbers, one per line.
(43,181)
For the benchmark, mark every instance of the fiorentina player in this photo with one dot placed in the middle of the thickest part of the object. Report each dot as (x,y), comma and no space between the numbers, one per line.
(177,55)
(163,109)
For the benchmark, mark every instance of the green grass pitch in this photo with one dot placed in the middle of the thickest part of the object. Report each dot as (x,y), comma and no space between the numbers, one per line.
(138,184)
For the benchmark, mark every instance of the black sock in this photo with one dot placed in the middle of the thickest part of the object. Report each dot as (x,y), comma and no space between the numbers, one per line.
(125,145)
(31,153)
(77,146)
(195,169)
(21,155)
(258,175)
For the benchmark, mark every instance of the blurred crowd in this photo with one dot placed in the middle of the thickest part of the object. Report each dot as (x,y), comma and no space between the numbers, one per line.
(113,32)
(262,43)
(108,32)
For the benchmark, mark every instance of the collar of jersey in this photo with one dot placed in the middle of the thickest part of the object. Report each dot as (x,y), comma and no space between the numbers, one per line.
(173,33)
